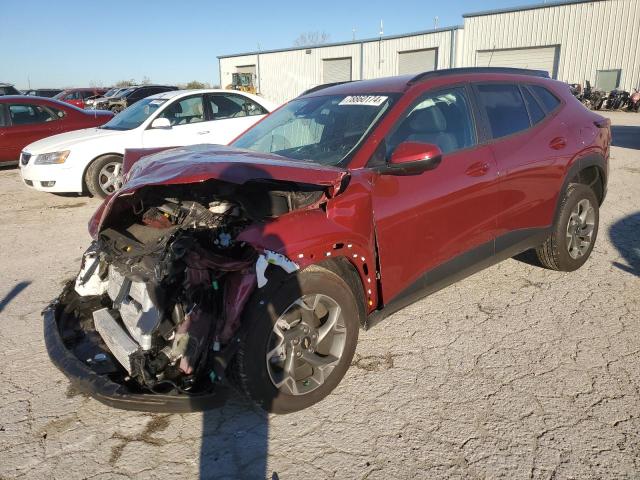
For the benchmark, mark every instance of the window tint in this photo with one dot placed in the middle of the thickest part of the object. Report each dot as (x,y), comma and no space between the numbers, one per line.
(505,109)
(185,112)
(233,106)
(535,111)
(442,119)
(548,99)
(23,114)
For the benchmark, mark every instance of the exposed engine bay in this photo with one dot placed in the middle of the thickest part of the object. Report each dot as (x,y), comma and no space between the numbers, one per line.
(157,304)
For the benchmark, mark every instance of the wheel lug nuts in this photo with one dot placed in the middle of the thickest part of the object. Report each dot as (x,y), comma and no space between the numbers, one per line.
(296,341)
(298,354)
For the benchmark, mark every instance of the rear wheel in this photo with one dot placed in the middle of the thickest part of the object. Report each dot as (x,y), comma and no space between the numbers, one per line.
(104,175)
(299,342)
(575,231)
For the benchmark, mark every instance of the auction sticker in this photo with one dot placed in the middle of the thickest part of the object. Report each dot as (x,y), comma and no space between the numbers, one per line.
(371,100)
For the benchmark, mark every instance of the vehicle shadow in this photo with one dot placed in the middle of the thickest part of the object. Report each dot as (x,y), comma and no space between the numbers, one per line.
(13,293)
(625,136)
(625,236)
(235,437)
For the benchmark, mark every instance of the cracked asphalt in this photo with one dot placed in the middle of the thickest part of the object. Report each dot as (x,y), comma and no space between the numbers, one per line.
(516,372)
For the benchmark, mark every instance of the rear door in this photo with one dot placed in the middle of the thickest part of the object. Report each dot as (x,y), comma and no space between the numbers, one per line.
(530,147)
(188,124)
(230,114)
(438,223)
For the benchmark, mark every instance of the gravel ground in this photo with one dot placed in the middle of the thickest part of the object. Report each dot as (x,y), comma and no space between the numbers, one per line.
(516,372)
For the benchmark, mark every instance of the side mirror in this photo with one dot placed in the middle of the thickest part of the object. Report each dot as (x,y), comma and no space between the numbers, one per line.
(413,158)
(161,123)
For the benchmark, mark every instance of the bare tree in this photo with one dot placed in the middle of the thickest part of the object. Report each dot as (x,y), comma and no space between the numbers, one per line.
(195,85)
(311,38)
(125,83)
(145,80)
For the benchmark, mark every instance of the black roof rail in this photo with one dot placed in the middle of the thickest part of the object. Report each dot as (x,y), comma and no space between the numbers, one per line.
(322,87)
(457,71)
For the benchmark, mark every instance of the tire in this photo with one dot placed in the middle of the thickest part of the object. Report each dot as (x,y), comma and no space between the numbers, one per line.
(256,376)
(565,248)
(96,177)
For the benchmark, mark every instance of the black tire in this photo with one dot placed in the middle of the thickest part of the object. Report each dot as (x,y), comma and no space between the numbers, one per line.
(554,252)
(249,369)
(92,175)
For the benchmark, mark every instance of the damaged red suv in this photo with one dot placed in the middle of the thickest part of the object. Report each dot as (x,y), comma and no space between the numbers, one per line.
(255,265)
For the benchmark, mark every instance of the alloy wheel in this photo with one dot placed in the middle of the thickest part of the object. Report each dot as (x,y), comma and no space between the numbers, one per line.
(110,177)
(306,344)
(580,229)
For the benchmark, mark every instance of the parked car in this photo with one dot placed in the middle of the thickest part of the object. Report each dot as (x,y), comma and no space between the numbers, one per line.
(90,103)
(77,96)
(25,119)
(130,96)
(257,263)
(8,89)
(43,92)
(174,118)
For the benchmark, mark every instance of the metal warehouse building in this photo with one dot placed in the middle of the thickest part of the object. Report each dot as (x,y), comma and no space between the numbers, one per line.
(578,40)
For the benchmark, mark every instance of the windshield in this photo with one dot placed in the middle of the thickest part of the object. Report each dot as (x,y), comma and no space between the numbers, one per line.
(108,93)
(60,95)
(323,129)
(135,115)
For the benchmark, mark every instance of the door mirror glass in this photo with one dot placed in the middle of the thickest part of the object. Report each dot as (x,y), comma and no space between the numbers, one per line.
(161,123)
(411,158)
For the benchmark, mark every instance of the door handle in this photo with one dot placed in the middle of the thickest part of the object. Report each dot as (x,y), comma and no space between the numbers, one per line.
(204,132)
(477,169)
(558,143)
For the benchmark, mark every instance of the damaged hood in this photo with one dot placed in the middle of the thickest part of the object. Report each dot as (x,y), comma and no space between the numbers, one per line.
(199,163)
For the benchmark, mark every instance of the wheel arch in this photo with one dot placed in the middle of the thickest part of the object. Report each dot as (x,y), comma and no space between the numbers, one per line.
(86,167)
(590,169)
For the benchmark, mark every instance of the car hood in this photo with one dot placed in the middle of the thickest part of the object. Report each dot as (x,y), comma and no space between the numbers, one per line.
(66,141)
(199,163)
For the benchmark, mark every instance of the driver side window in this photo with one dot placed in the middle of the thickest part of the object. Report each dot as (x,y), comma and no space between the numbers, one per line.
(442,118)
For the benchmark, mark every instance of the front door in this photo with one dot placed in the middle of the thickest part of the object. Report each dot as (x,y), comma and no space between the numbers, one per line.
(28,123)
(189,126)
(436,223)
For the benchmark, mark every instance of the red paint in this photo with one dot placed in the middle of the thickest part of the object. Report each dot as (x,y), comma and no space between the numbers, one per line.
(77,96)
(13,138)
(393,228)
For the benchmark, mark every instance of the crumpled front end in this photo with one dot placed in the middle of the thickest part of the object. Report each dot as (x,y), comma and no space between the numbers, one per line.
(154,316)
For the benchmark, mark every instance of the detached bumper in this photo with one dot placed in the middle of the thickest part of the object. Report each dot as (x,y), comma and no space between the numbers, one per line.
(100,387)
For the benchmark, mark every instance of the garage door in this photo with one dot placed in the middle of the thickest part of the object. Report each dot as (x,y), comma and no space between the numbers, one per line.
(417,61)
(336,70)
(247,69)
(541,58)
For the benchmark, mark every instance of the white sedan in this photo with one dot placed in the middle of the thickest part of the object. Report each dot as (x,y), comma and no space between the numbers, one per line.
(91,159)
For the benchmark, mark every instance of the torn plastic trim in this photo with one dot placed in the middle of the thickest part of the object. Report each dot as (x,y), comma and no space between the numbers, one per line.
(269,257)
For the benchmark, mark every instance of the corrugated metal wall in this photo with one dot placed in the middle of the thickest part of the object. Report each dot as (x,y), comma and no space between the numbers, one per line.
(599,35)
(284,75)
(592,36)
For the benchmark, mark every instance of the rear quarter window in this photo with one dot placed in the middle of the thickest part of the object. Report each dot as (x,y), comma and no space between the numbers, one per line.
(548,99)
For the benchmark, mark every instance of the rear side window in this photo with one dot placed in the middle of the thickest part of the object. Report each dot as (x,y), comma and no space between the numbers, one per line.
(548,99)
(505,108)
(535,111)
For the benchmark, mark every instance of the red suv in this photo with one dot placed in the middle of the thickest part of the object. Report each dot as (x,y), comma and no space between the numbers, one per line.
(255,265)
(77,96)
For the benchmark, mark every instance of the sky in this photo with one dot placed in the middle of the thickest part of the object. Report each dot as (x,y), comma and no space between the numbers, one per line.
(73,43)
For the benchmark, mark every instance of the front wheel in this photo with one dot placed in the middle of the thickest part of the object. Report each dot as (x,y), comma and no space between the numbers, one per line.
(299,342)
(574,232)
(104,175)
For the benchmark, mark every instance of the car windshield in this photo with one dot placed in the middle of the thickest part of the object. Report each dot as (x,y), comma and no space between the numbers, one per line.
(124,92)
(108,93)
(325,129)
(135,115)
(61,94)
